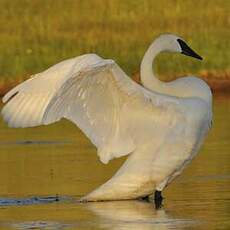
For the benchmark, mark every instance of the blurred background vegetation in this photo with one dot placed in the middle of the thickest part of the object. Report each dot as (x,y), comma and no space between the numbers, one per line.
(37,34)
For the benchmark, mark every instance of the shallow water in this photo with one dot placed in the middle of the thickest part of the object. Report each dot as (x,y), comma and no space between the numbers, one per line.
(44,170)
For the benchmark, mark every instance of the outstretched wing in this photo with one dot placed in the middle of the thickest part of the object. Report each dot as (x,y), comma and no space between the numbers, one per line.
(112,110)
(27,101)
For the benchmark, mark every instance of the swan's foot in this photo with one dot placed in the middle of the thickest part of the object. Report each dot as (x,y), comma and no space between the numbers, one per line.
(158,199)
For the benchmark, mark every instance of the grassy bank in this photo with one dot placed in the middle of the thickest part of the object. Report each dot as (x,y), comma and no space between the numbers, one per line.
(36,34)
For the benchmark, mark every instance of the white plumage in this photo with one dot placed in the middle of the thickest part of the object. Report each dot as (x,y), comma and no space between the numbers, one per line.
(161,125)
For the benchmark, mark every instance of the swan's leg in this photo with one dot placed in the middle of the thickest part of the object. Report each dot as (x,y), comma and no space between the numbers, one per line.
(157,195)
(158,199)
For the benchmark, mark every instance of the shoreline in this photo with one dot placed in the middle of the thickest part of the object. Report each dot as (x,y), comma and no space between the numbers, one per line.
(219,84)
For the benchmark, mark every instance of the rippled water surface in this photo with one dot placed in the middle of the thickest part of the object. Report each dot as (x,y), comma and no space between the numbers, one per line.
(44,170)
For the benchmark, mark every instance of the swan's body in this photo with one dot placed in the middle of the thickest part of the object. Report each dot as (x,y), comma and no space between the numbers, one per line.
(161,125)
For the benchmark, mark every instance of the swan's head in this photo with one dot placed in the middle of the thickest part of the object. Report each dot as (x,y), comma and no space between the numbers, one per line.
(173,43)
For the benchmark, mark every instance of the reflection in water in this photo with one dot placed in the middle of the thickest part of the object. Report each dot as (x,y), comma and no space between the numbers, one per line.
(51,225)
(134,215)
(96,215)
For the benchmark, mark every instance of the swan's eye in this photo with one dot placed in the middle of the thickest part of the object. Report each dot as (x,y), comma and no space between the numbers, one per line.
(186,50)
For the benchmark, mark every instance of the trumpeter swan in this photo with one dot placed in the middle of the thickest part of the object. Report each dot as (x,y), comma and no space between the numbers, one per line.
(160,125)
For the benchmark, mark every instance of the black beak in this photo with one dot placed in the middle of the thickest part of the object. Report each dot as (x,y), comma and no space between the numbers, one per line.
(186,50)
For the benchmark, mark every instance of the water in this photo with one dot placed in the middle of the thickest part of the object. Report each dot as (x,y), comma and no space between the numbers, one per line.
(44,170)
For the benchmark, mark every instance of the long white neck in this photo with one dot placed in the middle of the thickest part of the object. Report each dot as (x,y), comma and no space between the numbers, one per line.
(148,79)
(185,87)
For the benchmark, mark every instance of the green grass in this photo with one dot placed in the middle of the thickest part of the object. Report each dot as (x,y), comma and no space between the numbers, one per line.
(39,33)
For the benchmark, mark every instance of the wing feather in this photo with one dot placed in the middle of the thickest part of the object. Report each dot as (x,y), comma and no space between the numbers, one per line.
(99,98)
(114,112)
(27,101)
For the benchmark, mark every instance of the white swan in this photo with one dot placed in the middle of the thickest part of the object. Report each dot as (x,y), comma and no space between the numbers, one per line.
(160,125)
